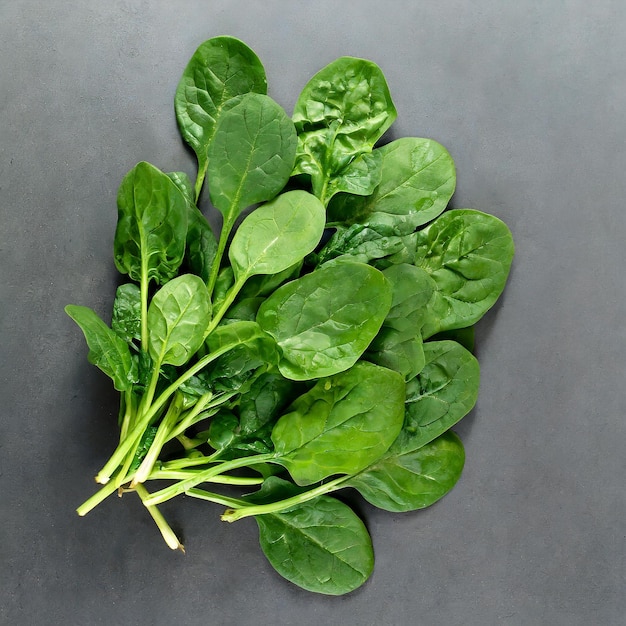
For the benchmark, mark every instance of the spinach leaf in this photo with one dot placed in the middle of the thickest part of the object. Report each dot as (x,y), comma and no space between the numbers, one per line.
(398,344)
(417,181)
(126,320)
(107,350)
(201,244)
(321,546)
(250,160)
(439,396)
(342,424)
(324,321)
(177,318)
(415,479)
(277,235)
(469,255)
(340,114)
(251,155)
(152,225)
(220,69)
(363,243)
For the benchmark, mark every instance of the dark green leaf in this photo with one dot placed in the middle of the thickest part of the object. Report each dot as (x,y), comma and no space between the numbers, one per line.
(201,244)
(417,182)
(177,318)
(107,350)
(251,155)
(469,255)
(325,320)
(439,396)
(342,424)
(126,320)
(151,226)
(406,481)
(321,545)
(221,68)
(340,114)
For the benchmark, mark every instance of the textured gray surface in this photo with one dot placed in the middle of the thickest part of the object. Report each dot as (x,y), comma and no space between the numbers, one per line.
(530,99)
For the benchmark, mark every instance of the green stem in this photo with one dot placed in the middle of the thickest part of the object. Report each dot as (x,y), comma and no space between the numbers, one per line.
(236,513)
(228,300)
(204,476)
(168,534)
(145,420)
(143,288)
(217,498)
(202,168)
(236,481)
(161,437)
(100,495)
(227,226)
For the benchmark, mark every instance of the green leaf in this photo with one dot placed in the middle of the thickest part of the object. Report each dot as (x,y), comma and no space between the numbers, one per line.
(126,320)
(220,69)
(324,321)
(181,180)
(417,181)
(340,114)
(342,424)
(439,396)
(177,318)
(468,254)
(321,545)
(406,481)
(151,226)
(107,350)
(201,244)
(277,235)
(363,244)
(251,155)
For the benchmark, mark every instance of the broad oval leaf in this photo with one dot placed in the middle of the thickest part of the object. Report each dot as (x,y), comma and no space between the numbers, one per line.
(342,424)
(177,318)
(468,254)
(251,155)
(107,350)
(417,180)
(277,235)
(220,69)
(340,114)
(439,396)
(151,226)
(201,244)
(325,320)
(320,545)
(415,479)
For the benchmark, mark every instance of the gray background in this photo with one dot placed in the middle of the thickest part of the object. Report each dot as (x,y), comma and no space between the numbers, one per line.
(530,99)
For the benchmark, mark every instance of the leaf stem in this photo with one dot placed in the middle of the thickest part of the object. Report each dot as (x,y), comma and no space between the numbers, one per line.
(168,534)
(236,513)
(227,226)
(204,476)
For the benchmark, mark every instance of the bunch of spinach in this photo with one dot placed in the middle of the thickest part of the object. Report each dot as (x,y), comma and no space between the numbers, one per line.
(321,341)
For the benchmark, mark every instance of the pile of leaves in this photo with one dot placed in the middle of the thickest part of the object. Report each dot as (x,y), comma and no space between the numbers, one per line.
(321,342)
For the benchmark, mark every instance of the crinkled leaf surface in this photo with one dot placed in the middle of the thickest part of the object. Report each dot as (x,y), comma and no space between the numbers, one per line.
(325,320)
(107,350)
(414,479)
(439,396)
(468,254)
(177,318)
(220,69)
(126,319)
(340,114)
(277,235)
(342,424)
(417,181)
(251,155)
(151,226)
(321,545)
